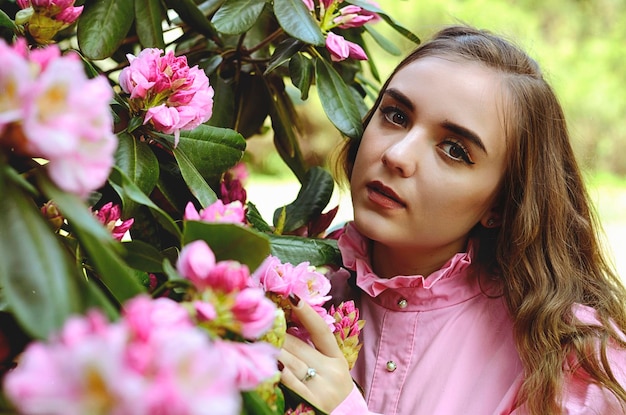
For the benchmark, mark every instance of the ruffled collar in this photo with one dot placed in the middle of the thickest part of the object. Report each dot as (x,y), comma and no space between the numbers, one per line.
(354,248)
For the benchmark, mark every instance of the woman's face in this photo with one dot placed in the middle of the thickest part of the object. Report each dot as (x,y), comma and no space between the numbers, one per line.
(431,160)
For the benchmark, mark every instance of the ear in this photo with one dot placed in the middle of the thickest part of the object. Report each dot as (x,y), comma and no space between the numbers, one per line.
(491,219)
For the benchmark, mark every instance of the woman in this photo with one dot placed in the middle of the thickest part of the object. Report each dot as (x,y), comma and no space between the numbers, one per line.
(474,252)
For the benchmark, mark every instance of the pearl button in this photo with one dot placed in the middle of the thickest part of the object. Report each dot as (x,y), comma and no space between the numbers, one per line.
(391,366)
(403,303)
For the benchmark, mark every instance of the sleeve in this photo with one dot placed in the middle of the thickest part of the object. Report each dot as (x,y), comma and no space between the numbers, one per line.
(354,404)
(583,397)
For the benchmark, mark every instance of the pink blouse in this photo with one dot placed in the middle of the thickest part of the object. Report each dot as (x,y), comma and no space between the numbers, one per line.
(443,345)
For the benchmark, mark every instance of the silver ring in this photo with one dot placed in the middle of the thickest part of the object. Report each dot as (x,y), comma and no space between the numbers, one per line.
(310,374)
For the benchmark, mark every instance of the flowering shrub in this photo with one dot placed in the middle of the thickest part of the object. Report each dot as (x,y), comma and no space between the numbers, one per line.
(134,273)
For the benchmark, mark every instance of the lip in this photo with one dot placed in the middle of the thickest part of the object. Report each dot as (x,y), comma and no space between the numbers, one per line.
(384,196)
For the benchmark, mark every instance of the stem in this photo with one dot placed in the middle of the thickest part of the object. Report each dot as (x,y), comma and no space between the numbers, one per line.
(266,41)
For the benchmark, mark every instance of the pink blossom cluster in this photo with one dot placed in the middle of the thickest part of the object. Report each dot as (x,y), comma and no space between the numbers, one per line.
(332,14)
(232,212)
(110,216)
(49,109)
(169,94)
(226,298)
(153,360)
(43,19)
(347,329)
(283,280)
(232,185)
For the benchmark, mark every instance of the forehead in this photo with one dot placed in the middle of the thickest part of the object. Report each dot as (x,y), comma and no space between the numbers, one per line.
(467,93)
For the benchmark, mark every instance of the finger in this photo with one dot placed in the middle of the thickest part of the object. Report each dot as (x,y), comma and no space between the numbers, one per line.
(322,337)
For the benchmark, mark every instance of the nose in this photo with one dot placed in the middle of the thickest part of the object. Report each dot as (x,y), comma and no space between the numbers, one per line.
(401,155)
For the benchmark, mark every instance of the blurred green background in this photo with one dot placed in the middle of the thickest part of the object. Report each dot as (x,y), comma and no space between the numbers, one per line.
(581,46)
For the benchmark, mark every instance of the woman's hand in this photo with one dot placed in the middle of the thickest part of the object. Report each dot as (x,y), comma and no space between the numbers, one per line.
(331,381)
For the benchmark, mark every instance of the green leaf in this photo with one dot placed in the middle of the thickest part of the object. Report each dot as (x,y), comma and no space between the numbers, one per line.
(148,17)
(212,150)
(296,249)
(253,404)
(102,27)
(256,220)
(385,44)
(194,180)
(312,198)
(392,22)
(136,159)
(143,256)
(127,189)
(284,51)
(37,277)
(230,242)
(337,100)
(295,18)
(189,13)
(302,73)
(237,16)
(7,22)
(102,250)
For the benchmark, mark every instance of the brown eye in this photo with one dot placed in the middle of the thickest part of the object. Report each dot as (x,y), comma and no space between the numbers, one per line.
(455,151)
(394,115)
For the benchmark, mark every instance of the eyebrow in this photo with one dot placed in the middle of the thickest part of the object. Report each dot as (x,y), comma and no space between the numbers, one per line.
(465,133)
(447,124)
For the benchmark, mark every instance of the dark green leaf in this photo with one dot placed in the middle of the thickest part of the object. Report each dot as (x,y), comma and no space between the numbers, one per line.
(230,242)
(284,51)
(143,256)
(253,404)
(337,100)
(212,150)
(256,220)
(138,162)
(102,27)
(102,250)
(312,198)
(127,189)
(302,73)
(194,180)
(38,278)
(295,18)
(148,17)
(189,13)
(237,16)
(296,249)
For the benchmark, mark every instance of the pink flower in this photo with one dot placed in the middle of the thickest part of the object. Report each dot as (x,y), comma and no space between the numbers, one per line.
(232,186)
(286,279)
(109,215)
(171,95)
(352,16)
(253,362)
(254,312)
(143,315)
(301,409)
(53,111)
(43,19)
(341,49)
(95,367)
(347,328)
(196,262)
(232,212)
(309,4)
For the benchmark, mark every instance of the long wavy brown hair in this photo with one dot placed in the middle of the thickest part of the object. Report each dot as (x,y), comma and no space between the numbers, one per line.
(547,250)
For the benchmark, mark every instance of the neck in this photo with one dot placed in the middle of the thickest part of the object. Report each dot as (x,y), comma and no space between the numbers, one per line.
(388,262)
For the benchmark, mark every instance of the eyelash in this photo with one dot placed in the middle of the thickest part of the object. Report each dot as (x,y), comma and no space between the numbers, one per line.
(390,111)
(464,157)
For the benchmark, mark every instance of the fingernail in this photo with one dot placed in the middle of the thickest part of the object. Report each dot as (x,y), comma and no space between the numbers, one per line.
(294,300)
(280,366)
